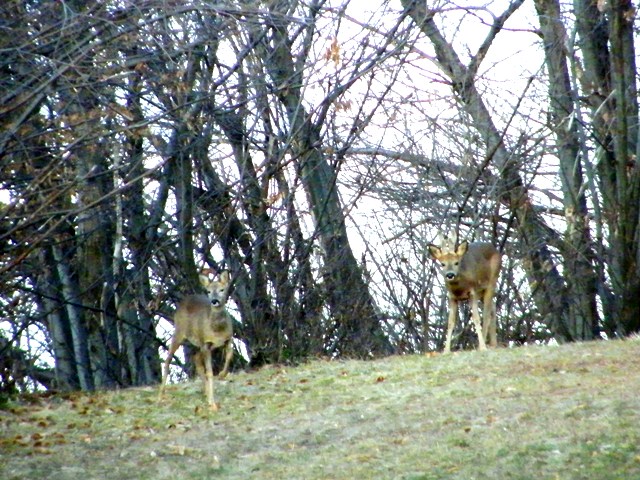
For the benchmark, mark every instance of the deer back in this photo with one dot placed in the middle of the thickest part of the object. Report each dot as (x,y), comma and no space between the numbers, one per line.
(480,265)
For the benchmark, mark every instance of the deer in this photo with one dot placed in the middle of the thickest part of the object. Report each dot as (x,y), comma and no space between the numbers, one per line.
(471,274)
(203,321)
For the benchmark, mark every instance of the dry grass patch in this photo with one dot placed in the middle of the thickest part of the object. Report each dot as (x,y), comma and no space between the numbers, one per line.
(569,412)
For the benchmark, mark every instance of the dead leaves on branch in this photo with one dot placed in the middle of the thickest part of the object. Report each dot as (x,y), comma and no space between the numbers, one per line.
(332,54)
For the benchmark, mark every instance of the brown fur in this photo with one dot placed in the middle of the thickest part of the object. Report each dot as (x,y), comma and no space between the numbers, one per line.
(203,321)
(471,273)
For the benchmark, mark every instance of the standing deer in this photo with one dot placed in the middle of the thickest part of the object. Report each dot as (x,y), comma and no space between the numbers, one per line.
(203,321)
(471,273)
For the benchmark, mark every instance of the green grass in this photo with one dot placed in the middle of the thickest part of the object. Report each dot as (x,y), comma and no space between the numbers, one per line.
(569,412)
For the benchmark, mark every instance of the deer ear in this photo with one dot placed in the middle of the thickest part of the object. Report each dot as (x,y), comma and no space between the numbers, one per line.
(224,277)
(462,248)
(205,281)
(435,251)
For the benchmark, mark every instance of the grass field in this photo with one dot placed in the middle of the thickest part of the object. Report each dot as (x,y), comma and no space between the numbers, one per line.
(548,412)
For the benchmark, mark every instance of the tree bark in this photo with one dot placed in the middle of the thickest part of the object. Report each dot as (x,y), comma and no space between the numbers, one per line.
(577,249)
(625,242)
(66,373)
(77,328)
(136,327)
(609,87)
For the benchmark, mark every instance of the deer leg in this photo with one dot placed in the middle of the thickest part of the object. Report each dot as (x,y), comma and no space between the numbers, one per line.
(489,327)
(475,316)
(175,344)
(453,317)
(209,379)
(199,362)
(228,355)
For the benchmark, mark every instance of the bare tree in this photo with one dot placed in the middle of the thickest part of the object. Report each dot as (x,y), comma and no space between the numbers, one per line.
(312,149)
(609,93)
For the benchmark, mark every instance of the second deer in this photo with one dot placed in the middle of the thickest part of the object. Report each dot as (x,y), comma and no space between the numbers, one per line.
(471,273)
(203,321)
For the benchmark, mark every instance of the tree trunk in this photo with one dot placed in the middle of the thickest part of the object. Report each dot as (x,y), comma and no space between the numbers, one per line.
(180,171)
(625,242)
(137,330)
(579,271)
(79,337)
(94,242)
(265,258)
(609,86)
(65,361)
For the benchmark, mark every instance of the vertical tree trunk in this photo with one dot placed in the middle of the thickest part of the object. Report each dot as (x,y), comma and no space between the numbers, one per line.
(625,241)
(579,272)
(609,85)
(180,170)
(265,256)
(77,330)
(137,330)
(94,240)
(58,324)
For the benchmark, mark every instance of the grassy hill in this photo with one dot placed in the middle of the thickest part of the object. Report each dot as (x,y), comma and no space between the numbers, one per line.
(568,412)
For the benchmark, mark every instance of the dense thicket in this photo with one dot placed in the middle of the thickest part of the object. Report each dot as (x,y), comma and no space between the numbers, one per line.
(312,149)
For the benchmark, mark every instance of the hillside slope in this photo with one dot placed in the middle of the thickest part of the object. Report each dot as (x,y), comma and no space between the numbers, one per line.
(568,412)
